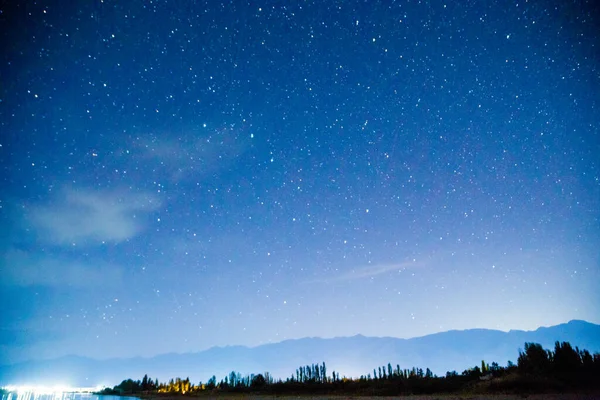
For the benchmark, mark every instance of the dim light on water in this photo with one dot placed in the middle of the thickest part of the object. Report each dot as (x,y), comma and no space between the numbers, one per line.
(50,389)
(55,392)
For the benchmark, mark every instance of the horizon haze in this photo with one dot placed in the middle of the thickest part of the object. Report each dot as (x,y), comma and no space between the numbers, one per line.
(348,356)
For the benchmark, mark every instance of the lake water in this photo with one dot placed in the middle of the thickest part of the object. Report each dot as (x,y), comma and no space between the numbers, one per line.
(60,396)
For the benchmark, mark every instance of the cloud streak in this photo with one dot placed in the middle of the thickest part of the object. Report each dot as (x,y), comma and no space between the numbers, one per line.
(86,216)
(368,271)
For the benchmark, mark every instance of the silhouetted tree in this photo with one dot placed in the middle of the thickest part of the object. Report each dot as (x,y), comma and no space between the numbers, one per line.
(258,382)
(566,361)
(212,383)
(495,367)
(451,374)
(534,360)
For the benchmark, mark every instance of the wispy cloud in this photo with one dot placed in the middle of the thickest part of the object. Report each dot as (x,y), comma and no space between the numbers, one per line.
(88,216)
(368,271)
(20,268)
(193,155)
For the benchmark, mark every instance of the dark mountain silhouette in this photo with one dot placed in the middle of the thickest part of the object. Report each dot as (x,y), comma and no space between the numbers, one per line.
(350,356)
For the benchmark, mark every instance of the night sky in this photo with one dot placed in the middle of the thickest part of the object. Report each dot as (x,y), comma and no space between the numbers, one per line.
(180,175)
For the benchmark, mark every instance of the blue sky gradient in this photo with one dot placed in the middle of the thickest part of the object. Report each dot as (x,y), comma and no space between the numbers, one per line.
(177,176)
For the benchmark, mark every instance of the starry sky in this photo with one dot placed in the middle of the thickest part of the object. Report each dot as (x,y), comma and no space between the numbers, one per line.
(181,175)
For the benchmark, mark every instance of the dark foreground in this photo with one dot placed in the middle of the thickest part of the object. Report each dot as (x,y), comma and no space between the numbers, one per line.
(567,396)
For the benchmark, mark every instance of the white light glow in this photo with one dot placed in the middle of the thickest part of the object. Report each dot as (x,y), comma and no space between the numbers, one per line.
(56,389)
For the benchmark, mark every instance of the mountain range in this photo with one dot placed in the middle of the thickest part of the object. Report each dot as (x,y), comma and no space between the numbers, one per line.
(349,356)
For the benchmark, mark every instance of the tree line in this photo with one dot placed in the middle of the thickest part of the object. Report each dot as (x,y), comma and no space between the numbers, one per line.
(537,370)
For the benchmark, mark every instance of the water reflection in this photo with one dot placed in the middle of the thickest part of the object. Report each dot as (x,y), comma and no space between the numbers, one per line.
(59,396)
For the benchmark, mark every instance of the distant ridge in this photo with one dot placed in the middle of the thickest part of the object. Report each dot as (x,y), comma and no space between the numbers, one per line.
(350,356)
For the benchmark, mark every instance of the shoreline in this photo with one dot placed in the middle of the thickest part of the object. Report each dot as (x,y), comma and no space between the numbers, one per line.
(540,396)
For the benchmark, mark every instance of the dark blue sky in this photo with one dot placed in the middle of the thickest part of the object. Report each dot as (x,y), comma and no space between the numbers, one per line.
(179,175)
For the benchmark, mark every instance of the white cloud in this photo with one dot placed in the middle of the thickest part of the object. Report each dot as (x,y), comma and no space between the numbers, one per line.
(86,216)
